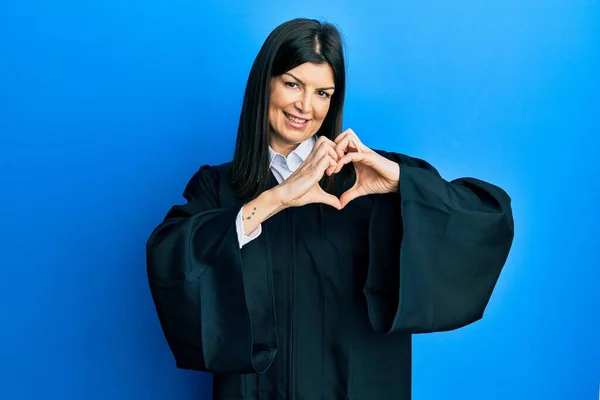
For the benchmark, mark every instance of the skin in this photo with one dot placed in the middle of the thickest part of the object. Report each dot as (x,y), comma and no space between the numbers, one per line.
(305,92)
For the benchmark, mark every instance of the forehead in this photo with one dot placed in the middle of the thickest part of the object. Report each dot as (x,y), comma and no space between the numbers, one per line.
(319,75)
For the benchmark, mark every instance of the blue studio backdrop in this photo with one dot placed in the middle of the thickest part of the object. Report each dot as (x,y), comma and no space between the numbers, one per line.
(108,107)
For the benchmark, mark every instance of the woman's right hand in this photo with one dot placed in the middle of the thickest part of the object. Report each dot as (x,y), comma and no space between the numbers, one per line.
(302,187)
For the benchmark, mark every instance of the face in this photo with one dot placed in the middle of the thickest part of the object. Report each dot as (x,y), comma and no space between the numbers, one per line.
(299,102)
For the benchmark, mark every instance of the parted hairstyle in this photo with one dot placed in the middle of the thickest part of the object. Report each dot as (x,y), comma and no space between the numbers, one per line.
(290,44)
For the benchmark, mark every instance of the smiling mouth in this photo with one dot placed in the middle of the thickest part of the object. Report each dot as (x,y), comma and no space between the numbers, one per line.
(295,119)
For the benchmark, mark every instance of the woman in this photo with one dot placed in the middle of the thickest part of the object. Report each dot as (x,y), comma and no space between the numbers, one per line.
(300,269)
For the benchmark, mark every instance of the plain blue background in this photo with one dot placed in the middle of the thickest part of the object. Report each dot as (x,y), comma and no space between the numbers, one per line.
(108,107)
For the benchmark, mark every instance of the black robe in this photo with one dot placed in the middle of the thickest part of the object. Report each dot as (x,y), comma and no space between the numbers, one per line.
(323,303)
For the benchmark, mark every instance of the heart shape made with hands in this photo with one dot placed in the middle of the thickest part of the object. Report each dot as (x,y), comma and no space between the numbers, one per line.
(375,174)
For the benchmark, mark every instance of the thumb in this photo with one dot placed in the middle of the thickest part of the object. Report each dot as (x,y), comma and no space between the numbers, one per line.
(349,195)
(329,199)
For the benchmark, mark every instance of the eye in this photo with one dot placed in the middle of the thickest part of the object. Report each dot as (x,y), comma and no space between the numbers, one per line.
(291,84)
(323,94)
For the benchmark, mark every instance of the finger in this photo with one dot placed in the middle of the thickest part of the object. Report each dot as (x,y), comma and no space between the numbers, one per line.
(332,166)
(330,170)
(343,161)
(340,148)
(332,153)
(325,163)
(333,157)
(326,147)
(350,157)
(349,195)
(337,142)
(321,139)
(329,199)
(316,148)
(342,135)
(339,137)
(323,149)
(324,140)
(347,145)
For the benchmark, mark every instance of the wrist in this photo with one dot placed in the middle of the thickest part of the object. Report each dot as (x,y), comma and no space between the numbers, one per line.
(274,199)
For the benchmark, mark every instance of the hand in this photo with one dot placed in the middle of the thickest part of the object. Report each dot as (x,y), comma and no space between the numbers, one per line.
(374,173)
(302,187)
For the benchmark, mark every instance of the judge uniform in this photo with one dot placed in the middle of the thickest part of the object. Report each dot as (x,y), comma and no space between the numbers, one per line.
(318,303)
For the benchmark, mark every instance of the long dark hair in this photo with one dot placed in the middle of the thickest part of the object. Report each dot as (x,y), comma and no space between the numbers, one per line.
(290,44)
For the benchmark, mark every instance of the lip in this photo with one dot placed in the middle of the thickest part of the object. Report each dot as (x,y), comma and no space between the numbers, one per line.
(295,125)
(296,116)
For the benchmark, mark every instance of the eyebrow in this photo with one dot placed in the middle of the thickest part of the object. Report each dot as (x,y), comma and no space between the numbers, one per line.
(300,80)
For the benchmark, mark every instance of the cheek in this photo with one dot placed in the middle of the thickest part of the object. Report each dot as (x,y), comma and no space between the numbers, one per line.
(320,111)
(276,104)
(276,100)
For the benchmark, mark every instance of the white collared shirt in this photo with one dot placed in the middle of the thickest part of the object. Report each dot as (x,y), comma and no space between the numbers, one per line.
(282,167)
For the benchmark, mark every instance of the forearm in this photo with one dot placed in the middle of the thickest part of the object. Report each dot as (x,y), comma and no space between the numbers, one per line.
(261,209)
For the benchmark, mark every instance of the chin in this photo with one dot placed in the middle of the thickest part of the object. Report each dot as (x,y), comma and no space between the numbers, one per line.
(297,138)
(294,135)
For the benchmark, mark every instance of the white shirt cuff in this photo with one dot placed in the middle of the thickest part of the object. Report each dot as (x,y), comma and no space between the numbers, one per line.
(239,226)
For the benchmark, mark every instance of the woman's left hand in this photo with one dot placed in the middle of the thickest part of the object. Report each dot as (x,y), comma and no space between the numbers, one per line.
(375,174)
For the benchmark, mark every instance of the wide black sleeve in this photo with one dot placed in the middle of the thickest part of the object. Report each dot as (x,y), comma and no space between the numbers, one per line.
(436,249)
(214,301)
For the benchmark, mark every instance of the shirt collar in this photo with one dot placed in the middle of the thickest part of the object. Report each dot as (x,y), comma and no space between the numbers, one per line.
(302,151)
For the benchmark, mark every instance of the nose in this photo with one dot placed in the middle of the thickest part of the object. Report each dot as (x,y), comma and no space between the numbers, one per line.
(304,103)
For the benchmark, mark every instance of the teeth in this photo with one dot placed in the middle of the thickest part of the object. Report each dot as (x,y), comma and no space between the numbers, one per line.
(294,119)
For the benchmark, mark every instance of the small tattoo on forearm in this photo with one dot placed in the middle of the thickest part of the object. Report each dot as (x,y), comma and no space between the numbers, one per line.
(253,212)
